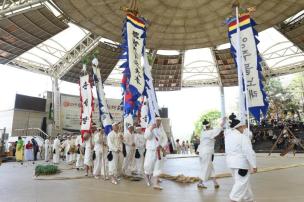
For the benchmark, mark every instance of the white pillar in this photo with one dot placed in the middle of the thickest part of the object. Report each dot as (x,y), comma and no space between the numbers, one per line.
(223,109)
(56,104)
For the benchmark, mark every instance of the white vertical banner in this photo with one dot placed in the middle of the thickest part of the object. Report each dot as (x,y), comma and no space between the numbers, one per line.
(244,49)
(144,114)
(87,104)
(56,103)
(248,55)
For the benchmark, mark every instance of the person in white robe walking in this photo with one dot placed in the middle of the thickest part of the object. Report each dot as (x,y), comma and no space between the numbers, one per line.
(206,153)
(241,159)
(66,147)
(114,141)
(156,141)
(56,150)
(140,143)
(88,154)
(129,160)
(98,142)
(46,150)
(79,152)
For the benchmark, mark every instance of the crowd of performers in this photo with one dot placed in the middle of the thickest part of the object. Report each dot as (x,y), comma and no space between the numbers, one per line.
(145,151)
(134,153)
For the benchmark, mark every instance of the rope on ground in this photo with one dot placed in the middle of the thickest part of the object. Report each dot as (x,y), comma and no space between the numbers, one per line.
(186,179)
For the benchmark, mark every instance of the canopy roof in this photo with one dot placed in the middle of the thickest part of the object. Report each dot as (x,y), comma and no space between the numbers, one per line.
(175,24)
(47,39)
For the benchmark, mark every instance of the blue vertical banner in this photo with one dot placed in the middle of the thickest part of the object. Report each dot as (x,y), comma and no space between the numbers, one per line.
(104,113)
(133,48)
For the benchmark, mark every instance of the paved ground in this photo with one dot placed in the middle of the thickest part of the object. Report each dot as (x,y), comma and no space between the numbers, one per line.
(17,184)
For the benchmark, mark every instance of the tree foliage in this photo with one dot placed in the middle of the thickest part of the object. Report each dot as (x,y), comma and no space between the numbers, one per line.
(281,100)
(211,116)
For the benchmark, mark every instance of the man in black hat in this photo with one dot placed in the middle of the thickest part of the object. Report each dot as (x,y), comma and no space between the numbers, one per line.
(206,152)
(240,159)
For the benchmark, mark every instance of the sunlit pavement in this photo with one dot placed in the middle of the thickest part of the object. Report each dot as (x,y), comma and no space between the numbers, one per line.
(17,184)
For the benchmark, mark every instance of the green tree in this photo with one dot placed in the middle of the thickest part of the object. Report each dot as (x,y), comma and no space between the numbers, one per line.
(296,88)
(211,116)
(281,100)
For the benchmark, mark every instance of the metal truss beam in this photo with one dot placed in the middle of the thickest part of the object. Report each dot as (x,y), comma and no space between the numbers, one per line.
(55,52)
(23,63)
(289,51)
(11,7)
(284,70)
(72,57)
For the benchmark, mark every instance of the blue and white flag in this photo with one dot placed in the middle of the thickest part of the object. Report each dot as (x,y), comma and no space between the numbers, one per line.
(133,48)
(250,63)
(150,92)
(104,113)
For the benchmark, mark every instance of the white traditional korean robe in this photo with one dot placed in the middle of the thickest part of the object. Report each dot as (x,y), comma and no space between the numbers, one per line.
(88,153)
(140,143)
(240,155)
(66,147)
(97,140)
(206,150)
(154,138)
(129,160)
(46,150)
(115,146)
(56,148)
(79,157)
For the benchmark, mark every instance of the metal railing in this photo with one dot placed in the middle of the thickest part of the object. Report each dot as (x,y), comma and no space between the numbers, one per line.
(30,132)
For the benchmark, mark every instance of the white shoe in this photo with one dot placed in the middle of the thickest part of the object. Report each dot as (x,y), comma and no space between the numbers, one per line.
(114,182)
(157,187)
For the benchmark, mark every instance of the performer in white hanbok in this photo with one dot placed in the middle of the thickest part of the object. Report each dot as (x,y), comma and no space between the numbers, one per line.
(73,148)
(56,150)
(156,141)
(140,144)
(129,160)
(66,146)
(240,159)
(97,157)
(114,141)
(47,149)
(79,152)
(206,153)
(88,153)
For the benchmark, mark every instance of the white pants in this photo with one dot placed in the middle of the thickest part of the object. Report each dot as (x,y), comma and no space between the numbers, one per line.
(88,158)
(207,170)
(140,162)
(129,160)
(241,189)
(79,161)
(56,156)
(115,166)
(73,157)
(46,154)
(97,163)
(152,164)
(104,165)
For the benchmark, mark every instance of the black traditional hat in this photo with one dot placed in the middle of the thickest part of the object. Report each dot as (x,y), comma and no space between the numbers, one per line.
(205,122)
(234,122)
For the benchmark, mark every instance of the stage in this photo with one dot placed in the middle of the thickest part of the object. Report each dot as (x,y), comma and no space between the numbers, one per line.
(17,183)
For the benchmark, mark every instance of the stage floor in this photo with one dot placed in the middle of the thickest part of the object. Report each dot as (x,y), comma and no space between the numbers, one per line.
(17,184)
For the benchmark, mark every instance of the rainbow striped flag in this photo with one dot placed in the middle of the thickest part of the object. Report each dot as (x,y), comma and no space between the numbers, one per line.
(244,22)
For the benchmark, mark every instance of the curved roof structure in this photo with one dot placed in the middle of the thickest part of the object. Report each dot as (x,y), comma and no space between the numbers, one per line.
(174,24)
(51,37)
